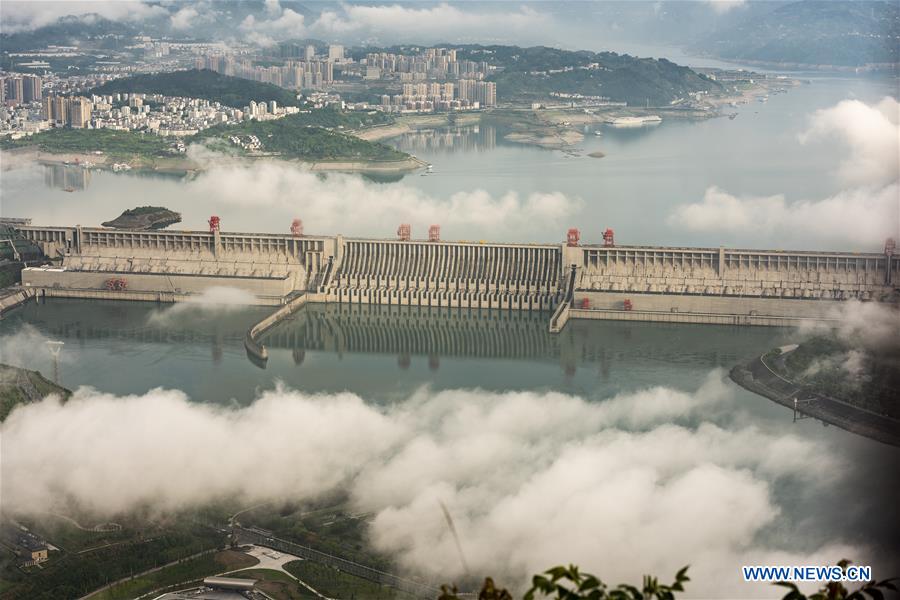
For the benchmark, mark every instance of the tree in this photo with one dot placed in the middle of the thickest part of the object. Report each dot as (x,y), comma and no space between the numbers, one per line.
(835,590)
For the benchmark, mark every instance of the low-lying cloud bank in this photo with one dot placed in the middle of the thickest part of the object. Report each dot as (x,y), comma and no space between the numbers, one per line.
(626,486)
(396,22)
(871,134)
(211,303)
(861,217)
(349,204)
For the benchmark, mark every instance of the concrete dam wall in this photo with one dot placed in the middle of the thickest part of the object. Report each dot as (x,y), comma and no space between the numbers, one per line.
(698,285)
(446,274)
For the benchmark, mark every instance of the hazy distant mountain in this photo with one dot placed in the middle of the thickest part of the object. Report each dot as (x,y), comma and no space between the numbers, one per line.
(813,32)
(534,73)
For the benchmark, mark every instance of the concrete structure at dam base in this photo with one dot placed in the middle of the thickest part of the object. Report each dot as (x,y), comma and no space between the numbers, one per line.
(568,280)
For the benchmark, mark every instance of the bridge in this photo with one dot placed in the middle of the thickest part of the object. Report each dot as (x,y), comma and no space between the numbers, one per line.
(570,280)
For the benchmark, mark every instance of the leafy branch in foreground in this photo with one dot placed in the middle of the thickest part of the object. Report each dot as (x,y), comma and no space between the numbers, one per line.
(569,583)
(835,590)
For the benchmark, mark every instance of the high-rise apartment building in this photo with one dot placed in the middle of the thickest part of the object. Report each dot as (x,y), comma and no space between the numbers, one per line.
(80,112)
(31,88)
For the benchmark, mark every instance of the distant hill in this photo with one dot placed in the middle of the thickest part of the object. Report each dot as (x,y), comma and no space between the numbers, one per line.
(529,73)
(813,32)
(206,84)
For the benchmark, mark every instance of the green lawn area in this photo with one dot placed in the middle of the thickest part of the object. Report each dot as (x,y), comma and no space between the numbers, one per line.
(190,570)
(336,584)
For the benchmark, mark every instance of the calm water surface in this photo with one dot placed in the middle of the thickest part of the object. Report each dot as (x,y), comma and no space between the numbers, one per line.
(645,174)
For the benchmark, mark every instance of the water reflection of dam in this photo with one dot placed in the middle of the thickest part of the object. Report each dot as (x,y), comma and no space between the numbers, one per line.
(403,332)
(411,330)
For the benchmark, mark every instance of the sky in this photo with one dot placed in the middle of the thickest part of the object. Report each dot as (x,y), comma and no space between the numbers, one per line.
(559,24)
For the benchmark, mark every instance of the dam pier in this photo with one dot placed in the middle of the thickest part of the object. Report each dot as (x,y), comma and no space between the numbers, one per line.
(569,280)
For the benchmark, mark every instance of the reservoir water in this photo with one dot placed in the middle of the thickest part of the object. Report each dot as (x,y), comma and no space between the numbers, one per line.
(481,185)
(387,356)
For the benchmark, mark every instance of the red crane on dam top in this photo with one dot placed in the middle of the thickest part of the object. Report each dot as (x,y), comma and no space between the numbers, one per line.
(213,224)
(609,237)
(403,232)
(573,237)
(297,228)
(434,233)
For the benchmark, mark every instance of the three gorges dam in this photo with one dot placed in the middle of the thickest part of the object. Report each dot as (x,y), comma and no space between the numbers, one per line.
(568,280)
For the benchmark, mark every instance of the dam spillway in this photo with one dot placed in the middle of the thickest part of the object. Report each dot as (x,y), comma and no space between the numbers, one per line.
(699,285)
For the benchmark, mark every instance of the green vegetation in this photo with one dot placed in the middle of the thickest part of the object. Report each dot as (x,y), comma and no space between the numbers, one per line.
(341,586)
(311,135)
(569,583)
(117,144)
(276,584)
(96,559)
(835,590)
(192,569)
(206,84)
(144,218)
(334,118)
(832,366)
(325,526)
(526,75)
(20,386)
(292,137)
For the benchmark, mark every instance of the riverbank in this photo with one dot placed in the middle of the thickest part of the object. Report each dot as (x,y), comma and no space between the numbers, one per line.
(759,378)
(186,165)
(408,123)
(21,386)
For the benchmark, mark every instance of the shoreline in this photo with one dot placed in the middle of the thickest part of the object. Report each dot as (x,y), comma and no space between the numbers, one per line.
(187,165)
(756,377)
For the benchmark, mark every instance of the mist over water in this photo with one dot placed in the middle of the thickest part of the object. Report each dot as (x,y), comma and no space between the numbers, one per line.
(546,449)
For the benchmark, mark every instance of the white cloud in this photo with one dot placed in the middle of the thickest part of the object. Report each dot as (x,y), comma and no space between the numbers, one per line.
(870,326)
(210,304)
(724,6)
(532,480)
(396,22)
(282,23)
(862,217)
(184,18)
(27,347)
(22,15)
(871,134)
(351,205)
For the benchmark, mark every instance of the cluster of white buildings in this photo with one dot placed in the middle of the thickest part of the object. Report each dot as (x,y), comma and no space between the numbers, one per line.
(247,142)
(308,73)
(465,94)
(153,113)
(437,64)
